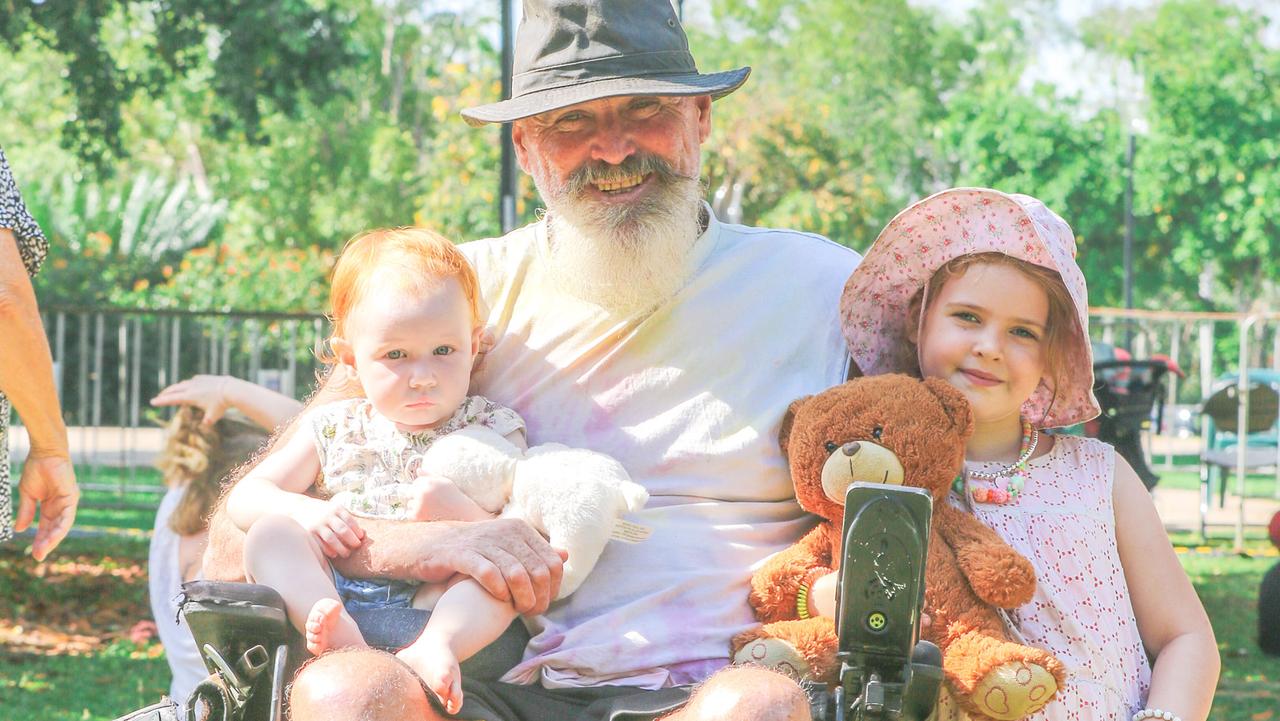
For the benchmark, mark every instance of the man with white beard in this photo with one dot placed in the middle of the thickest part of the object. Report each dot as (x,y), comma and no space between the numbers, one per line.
(630,321)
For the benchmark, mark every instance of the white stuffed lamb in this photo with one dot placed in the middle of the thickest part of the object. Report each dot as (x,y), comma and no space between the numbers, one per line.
(574,497)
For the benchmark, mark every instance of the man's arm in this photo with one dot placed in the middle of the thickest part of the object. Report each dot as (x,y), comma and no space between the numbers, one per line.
(507,557)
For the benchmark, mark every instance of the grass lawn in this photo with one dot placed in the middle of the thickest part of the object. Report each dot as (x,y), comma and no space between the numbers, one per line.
(1249,688)
(113,509)
(1255,486)
(65,650)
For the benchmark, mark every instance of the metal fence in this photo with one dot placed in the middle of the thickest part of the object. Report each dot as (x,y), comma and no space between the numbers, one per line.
(108,364)
(1212,349)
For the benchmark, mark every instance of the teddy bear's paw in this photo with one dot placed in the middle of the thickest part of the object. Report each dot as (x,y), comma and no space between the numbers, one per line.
(1014,690)
(776,654)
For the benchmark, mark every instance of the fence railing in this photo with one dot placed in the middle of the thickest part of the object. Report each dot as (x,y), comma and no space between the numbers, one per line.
(108,364)
(1212,349)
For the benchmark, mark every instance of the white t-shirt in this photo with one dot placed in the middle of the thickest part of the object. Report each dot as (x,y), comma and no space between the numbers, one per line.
(689,398)
(164,581)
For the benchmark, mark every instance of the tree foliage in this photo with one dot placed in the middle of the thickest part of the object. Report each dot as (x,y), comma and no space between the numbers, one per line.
(1207,177)
(308,121)
(261,54)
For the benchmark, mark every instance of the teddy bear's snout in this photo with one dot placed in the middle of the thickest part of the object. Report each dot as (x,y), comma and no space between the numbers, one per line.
(858,461)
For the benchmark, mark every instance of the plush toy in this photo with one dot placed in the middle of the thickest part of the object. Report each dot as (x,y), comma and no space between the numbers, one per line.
(896,429)
(574,497)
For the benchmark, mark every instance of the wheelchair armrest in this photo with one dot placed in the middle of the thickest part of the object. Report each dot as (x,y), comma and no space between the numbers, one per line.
(233,617)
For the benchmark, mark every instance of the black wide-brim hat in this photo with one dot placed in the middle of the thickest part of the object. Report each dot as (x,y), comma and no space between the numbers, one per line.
(575,51)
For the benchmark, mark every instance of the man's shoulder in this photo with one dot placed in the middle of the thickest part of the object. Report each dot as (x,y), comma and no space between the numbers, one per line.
(800,247)
(516,242)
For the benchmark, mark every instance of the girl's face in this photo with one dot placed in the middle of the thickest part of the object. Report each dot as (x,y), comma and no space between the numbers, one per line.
(412,352)
(983,333)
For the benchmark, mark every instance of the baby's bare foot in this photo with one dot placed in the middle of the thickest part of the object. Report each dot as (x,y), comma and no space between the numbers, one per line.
(437,666)
(321,625)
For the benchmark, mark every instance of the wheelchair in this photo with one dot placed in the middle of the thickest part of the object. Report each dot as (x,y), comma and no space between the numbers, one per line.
(1129,393)
(252,650)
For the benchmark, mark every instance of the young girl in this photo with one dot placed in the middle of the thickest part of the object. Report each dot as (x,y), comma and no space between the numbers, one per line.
(195,459)
(981,289)
(406,321)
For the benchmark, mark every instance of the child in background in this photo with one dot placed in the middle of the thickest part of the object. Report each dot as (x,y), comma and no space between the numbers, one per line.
(1269,599)
(196,457)
(405,311)
(981,289)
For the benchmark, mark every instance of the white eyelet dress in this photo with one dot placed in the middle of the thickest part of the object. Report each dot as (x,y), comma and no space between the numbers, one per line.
(32,246)
(1065,524)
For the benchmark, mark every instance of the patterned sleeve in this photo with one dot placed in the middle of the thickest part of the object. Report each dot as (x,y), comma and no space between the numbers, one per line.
(323,422)
(13,215)
(499,418)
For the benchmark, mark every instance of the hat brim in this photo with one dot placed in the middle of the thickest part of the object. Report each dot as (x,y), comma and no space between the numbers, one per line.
(717,85)
(944,226)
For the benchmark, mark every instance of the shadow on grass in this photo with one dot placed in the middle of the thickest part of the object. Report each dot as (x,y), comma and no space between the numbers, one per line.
(1228,586)
(97,687)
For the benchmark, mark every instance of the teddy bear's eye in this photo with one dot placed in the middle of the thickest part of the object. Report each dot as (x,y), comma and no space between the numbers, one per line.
(831,446)
(877,432)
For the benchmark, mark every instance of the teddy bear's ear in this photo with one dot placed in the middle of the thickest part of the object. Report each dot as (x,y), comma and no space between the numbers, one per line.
(953,403)
(788,418)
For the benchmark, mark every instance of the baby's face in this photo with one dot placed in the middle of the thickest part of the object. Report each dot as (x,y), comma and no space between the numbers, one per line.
(413,352)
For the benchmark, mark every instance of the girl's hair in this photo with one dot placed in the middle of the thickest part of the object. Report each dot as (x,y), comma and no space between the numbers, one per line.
(1060,326)
(200,457)
(413,259)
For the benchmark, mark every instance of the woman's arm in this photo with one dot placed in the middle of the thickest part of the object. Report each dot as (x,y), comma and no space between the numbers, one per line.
(215,394)
(1171,620)
(26,377)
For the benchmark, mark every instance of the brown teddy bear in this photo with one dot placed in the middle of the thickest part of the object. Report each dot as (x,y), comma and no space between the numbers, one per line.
(897,429)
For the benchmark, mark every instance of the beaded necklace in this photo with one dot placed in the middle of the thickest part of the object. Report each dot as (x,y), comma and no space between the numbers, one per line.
(1016,473)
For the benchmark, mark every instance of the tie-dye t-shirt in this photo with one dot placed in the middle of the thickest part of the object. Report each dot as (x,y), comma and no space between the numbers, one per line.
(689,398)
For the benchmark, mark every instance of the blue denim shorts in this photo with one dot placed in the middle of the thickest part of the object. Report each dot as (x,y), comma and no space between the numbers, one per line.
(362,594)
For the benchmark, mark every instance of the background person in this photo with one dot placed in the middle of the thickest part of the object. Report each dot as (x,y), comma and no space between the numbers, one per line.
(48,483)
(196,458)
(215,395)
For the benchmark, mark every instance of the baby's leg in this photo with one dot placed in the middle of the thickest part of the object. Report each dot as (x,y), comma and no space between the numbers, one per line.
(434,498)
(465,620)
(282,554)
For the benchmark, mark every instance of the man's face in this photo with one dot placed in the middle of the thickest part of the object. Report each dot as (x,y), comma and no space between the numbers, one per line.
(620,179)
(612,152)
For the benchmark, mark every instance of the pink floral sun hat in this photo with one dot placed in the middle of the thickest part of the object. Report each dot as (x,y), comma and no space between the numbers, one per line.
(932,232)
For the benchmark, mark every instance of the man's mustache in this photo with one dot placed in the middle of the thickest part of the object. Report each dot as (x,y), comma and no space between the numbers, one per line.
(600,172)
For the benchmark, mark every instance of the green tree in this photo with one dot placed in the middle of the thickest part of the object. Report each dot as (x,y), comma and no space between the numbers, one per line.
(1207,178)
(263,54)
(831,133)
(1037,141)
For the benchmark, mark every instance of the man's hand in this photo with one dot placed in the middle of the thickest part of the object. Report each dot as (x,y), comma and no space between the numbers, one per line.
(506,556)
(50,483)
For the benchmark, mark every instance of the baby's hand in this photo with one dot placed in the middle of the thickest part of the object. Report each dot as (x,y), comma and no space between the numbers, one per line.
(333,526)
